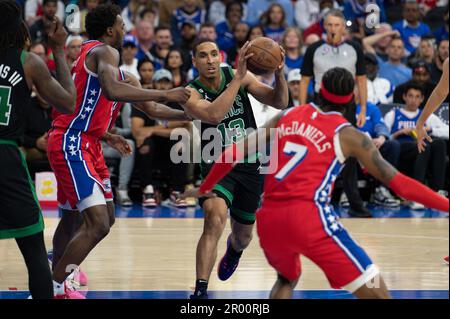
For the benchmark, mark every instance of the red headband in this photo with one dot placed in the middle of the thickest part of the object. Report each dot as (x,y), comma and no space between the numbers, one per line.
(338,99)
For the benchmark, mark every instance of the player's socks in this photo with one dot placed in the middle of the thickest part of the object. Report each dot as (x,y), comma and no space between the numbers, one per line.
(229,262)
(201,287)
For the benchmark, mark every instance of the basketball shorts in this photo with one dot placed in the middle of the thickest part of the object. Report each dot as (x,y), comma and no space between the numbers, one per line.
(241,189)
(20,213)
(314,231)
(81,171)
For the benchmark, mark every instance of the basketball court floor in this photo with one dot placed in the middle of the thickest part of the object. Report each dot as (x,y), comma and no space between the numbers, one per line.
(150,254)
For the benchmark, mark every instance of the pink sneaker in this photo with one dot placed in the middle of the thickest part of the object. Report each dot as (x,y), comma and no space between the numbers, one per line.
(70,293)
(80,277)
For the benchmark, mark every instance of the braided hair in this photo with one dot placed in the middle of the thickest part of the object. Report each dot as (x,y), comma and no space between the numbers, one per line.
(338,81)
(14,32)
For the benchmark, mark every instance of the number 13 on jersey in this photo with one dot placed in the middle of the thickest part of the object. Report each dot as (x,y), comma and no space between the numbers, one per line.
(298,153)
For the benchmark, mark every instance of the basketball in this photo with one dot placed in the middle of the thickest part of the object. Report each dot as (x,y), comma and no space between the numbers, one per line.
(267,56)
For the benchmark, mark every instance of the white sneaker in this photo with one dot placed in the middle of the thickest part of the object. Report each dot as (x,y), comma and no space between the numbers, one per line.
(176,201)
(148,197)
(382,196)
(343,201)
(416,206)
(123,199)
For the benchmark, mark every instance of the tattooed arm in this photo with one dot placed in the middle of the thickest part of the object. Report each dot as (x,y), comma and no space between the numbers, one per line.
(359,145)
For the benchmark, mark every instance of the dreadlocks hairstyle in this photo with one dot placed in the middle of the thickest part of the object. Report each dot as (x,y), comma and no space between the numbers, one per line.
(339,82)
(14,32)
(100,19)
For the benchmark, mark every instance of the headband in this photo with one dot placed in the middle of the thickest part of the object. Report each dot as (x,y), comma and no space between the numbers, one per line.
(338,99)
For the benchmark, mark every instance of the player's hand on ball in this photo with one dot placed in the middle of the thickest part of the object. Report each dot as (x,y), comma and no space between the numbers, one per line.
(119,143)
(280,69)
(242,62)
(195,192)
(178,95)
(57,35)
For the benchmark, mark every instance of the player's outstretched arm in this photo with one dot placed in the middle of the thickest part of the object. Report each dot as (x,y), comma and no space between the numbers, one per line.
(214,112)
(278,96)
(107,60)
(438,95)
(60,92)
(155,110)
(234,154)
(359,145)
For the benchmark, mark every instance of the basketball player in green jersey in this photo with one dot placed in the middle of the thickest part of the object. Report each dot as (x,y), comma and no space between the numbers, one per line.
(219,99)
(20,214)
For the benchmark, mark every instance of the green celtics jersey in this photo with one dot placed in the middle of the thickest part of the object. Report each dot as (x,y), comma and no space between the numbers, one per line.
(239,118)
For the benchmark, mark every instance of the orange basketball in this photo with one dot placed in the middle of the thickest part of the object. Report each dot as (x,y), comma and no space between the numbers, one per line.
(267,56)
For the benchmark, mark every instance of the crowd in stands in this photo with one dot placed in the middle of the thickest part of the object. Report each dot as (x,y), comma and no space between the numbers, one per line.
(401,60)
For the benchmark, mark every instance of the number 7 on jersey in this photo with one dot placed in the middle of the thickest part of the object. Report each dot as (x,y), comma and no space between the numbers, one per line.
(298,152)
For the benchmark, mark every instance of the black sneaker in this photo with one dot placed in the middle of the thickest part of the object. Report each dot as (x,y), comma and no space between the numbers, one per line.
(199,295)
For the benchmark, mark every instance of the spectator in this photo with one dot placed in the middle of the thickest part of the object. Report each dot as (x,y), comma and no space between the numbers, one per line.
(442,33)
(88,5)
(274,22)
(307,12)
(150,15)
(379,90)
(436,67)
(145,34)
(39,30)
(394,70)
(34,10)
(256,9)
(319,58)
(163,43)
(208,31)
(422,77)
(401,122)
(380,41)
(216,13)
(256,31)
(131,13)
(425,52)
(240,37)
(292,43)
(166,8)
(318,27)
(122,127)
(188,37)
(411,29)
(154,149)
(389,149)
(174,63)
(129,51)
(146,70)
(356,10)
(38,121)
(293,80)
(233,15)
(189,12)
(73,48)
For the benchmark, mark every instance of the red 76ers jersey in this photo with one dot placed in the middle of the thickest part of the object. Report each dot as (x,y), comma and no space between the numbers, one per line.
(93,111)
(308,154)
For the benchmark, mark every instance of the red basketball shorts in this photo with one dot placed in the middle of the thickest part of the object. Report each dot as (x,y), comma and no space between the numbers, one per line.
(314,231)
(80,169)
